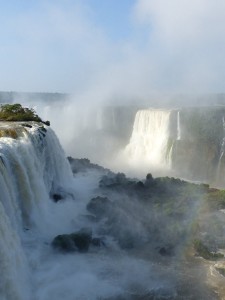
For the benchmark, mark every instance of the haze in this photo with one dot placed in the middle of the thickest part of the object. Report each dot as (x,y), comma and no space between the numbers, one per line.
(104,49)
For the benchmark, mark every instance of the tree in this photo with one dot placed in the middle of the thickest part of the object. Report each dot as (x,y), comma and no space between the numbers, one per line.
(15,112)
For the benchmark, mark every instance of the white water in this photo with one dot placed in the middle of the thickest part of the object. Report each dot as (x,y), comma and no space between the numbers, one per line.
(150,137)
(222,150)
(178,126)
(14,280)
(31,166)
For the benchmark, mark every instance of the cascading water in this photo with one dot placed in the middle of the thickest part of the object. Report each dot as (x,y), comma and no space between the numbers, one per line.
(222,150)
(150,138)
(178,126)
(14,283)
(32,166)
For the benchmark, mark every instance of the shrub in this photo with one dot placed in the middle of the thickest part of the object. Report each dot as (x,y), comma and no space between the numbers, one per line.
(15,112)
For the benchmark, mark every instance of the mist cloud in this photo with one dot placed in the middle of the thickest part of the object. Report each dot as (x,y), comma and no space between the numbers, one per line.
(187,40)
(172,46)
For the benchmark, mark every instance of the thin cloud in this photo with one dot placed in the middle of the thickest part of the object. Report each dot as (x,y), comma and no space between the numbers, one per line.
(172,46)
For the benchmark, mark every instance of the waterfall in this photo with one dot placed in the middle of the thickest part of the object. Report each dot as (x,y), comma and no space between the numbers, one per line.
(222,150)
(178,126)
(32,166)
(14,268)
(150,138)
(99,119)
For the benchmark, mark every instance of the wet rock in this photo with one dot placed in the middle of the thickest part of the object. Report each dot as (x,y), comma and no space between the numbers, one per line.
(99,206)
(113,180)
(140,185)
(60,194)
(64,242)
(78,241)
(46,123)
(42,128)
(166,251)
(149,181)
(57,197)
(84,165)
(27,125)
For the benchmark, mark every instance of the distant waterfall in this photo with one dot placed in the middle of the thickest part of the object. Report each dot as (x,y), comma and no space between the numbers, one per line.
(32,165)
(150,138)
(222,150)
(178,126)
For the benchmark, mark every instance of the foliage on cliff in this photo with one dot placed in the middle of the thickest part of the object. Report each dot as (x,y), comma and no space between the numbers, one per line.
(15,112)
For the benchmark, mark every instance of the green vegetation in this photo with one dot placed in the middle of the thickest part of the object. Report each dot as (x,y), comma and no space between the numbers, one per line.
(221,271)
(204,252)
(215,199)
(15,112)
(178,213)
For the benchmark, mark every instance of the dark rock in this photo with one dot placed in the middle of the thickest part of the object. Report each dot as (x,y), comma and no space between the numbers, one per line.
(140,185)
(27,125)
(149,181)
(64,242)
(82,239)
(77,241)
(47,123)
(57,197)
(166,251)
(113,180)
(43,129)
(149,177)
(84,165)
(60,194)
(99,206)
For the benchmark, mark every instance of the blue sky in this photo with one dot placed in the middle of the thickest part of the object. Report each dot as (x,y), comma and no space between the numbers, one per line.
(112,47)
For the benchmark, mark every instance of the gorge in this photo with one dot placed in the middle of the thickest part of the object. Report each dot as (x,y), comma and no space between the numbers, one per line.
(148,237)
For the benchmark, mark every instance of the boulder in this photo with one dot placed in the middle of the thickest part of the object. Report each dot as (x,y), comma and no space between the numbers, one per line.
(27,125)
(60,194)
(77,241)
(166,250)
(57,197)
(64,242)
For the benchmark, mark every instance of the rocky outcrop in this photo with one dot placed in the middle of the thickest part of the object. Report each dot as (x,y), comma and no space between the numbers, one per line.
(99,206)
(83,165)
(78,241)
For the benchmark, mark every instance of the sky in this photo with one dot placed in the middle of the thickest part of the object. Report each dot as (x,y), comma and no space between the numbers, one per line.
(112,48)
